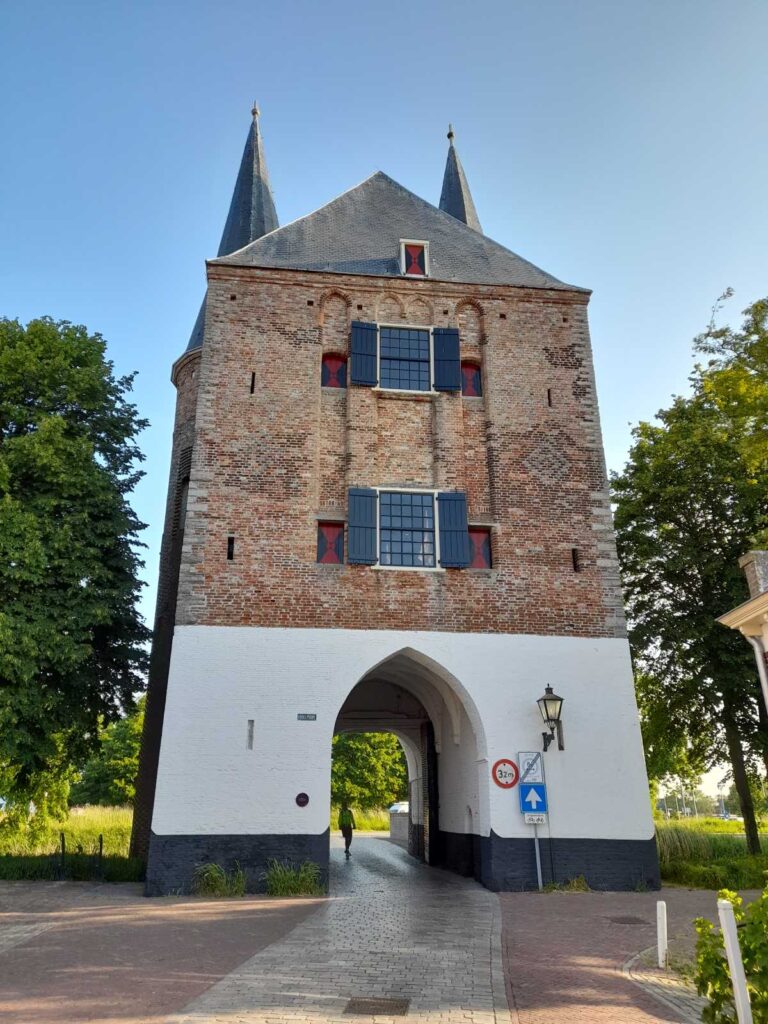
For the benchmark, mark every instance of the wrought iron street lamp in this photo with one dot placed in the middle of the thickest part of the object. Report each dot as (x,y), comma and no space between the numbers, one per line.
(551,706)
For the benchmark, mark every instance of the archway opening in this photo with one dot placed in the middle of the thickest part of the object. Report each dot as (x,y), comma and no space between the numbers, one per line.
(409,696)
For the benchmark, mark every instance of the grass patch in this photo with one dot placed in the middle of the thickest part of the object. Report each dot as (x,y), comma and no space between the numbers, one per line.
(286,879)
(213,880)
(374,820)
(577,884)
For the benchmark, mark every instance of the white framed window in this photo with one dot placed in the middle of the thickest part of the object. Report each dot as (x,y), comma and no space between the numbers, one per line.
(414,257)
(406,358)
(408,531)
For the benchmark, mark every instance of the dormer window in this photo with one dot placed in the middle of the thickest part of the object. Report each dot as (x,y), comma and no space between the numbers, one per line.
(414,258)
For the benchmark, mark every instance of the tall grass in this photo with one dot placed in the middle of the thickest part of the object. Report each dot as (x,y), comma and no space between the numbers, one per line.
(374,820)
(213,880)
(709,860)
(35,854)
(82,828)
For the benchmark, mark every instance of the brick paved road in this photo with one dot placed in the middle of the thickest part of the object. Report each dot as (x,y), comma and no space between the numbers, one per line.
(564,953)
(73,952)
(395,929)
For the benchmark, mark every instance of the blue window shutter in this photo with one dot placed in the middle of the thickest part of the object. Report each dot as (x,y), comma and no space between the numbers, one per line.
(361,526)
(364,351)
(447,359)
(454,530)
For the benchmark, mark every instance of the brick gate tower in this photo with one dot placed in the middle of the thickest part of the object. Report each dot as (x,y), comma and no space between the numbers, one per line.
(387,510)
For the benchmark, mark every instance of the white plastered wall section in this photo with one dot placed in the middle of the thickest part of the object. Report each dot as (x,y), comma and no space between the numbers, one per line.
(220,677)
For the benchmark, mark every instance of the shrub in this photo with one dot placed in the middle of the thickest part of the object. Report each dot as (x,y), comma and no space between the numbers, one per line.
(213,880)
(286,879)
(712,977)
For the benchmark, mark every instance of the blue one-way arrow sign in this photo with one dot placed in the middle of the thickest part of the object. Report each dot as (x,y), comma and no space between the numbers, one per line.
(533,797)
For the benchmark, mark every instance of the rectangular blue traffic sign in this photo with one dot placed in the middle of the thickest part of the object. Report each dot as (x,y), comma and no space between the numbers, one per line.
(533,797)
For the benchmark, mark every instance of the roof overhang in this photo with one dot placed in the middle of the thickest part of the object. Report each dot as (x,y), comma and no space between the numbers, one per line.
(749,618)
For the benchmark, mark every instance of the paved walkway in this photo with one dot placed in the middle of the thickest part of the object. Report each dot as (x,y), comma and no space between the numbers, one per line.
(75,952)
(395,930)
(448,949)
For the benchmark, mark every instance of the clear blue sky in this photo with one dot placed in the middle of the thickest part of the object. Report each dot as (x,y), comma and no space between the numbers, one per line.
(619,145)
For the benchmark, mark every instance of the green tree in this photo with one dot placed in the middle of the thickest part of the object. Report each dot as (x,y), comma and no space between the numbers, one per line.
(109,775)
(368,769)
(72,645)
(686,508)
(736,377)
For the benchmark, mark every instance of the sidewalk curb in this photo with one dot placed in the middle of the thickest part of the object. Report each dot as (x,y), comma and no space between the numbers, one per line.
(651,989)
(503,1012)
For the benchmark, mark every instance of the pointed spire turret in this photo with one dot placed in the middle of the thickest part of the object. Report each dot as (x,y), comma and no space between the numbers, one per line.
(252,211)
(456,198)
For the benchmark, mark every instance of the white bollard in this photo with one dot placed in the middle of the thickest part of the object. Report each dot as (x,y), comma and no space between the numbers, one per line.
(661,932)
(733,952)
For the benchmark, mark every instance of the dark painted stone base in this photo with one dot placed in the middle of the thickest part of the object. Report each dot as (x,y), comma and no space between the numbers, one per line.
(173,859)
(509,865)
(503,865)
(457,852)
(416,840)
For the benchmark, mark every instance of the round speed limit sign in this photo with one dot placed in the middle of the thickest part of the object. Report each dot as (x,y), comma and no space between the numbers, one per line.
(505,773)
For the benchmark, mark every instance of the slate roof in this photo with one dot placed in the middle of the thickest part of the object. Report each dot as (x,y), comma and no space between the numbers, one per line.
(252,211)
(456,198)
(360,231)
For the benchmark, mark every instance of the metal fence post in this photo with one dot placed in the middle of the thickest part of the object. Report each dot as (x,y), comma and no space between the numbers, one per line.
(733,952)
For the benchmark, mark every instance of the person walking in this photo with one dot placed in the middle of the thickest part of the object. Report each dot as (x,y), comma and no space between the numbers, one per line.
(346,824)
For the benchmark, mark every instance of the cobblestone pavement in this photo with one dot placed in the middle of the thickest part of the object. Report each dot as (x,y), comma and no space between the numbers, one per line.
(395,929)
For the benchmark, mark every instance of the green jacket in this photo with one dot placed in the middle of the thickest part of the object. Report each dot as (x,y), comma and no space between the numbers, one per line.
(346,817)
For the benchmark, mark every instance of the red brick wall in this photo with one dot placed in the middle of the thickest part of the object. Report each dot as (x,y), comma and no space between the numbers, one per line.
(266,466)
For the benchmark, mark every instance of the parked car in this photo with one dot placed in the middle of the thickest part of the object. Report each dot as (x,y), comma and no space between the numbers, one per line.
(401,807)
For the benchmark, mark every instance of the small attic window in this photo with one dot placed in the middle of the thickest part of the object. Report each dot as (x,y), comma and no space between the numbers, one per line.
(414,258)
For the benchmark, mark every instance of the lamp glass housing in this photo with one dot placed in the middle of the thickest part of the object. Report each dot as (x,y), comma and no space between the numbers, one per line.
(550,706)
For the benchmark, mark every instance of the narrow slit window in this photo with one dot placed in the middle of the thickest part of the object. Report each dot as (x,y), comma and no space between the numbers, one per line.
(549,397)
(576,559)
(480,548)
(249,735)
(471,380)
(333,372)
(330,543)
(253,382)
(230,548)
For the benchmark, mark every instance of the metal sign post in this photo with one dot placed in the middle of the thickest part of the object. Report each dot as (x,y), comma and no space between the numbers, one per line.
(533,799)
(538,857)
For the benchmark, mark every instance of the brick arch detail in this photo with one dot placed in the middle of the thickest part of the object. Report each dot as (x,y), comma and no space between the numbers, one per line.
(470,318)
(390,307)
(420,312)
(333,321)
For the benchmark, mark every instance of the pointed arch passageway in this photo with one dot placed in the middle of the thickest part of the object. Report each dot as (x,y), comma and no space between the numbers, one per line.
(413,697)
